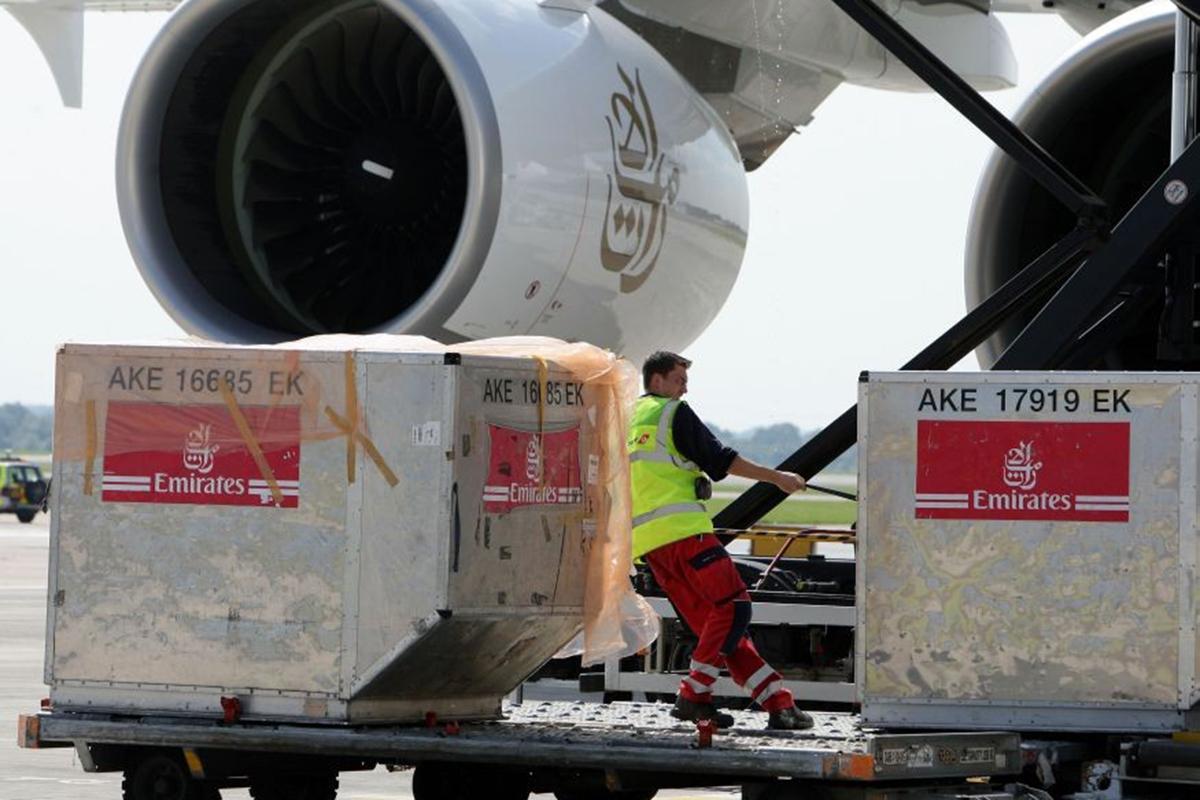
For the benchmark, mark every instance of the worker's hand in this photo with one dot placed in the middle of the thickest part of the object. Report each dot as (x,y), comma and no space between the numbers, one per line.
(789,482)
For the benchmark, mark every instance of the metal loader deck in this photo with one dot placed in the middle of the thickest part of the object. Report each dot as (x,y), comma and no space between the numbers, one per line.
(636,737)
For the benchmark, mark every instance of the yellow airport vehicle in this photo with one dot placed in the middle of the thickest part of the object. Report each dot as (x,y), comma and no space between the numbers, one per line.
(22,488)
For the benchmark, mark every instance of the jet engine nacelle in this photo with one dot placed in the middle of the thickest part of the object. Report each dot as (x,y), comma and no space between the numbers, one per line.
(1105,112)
(457,169)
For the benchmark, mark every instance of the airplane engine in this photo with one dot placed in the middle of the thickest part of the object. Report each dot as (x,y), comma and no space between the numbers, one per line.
(1105,112)
(455,169)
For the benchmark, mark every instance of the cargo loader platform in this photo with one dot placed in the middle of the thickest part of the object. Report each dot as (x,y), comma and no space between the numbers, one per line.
(547,743)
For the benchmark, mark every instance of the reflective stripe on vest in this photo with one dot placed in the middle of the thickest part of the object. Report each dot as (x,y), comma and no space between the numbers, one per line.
(666,511)
(665,508)
(662,457)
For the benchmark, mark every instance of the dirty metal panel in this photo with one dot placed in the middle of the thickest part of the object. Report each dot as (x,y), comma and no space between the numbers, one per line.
(191,593)
(401,577)
(339,589)
(467,656)
(999,573)
(1189,495)
(200,702)
(522,505)
(1011,715)
(353,542)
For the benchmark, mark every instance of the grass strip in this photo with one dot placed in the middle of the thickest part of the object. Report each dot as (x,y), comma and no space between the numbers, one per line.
(801,512)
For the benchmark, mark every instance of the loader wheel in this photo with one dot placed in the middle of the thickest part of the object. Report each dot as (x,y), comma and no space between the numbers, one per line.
(599,793)
(435,780)
(294,787)
(161,777)
(26,515)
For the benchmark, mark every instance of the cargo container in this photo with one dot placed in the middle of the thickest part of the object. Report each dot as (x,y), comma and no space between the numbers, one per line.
(319,535)
(1027,551)
(1024,611)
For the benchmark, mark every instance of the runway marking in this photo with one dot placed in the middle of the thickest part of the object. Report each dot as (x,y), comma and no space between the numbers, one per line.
(64,781)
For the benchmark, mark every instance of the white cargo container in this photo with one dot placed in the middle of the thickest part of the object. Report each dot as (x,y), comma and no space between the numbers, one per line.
(216,532)
(1027,546)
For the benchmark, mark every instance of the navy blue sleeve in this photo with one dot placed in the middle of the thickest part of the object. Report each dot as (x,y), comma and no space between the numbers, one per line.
(695,441)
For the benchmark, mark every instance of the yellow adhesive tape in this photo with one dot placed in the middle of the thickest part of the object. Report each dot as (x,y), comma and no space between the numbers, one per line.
(89,456)
(543,379)
(543,386)
(239,419)
(372,451)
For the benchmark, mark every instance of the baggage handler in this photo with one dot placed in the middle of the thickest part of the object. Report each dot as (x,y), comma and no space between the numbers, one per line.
(673,456)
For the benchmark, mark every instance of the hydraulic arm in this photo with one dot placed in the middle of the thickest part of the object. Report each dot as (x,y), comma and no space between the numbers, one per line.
(1099,276)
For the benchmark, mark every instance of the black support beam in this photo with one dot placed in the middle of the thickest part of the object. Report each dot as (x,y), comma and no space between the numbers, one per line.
(1014,296)
(1084,314)
(1137,240)
(1039,164)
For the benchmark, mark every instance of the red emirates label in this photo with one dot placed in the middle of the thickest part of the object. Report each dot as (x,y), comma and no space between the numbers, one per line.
(1023,470)
(194,455)
(530,469)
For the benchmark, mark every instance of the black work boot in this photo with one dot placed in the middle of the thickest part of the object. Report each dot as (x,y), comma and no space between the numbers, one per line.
(789,719)
(691,711)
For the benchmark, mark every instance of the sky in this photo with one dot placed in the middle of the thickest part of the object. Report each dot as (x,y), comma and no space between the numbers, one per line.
(855,255)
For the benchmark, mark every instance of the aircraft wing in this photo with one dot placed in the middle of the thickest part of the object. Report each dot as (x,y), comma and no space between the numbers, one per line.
(764,66)
(1083,16)
(57,28)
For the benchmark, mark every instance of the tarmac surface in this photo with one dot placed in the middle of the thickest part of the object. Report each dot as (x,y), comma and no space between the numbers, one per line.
(55,774)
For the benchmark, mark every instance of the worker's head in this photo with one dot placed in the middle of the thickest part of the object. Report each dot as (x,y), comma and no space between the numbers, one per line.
(665,374)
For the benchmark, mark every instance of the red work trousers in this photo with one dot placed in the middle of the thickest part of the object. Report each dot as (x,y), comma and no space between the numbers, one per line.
(703,583)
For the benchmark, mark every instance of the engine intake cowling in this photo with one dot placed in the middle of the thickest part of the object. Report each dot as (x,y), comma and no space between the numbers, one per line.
(452,169)
(1105,112)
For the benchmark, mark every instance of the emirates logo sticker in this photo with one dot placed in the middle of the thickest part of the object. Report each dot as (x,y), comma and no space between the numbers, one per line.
(1023,470)
(1020,470)
(199,450)
(533,459)
(195,455)
(531,469)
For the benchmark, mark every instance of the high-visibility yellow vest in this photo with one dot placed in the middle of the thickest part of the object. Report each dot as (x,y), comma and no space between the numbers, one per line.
(665,508)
